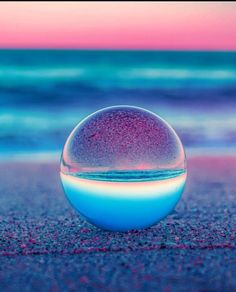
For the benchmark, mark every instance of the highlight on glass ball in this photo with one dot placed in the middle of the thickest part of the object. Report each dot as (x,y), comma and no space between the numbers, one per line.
(123,168)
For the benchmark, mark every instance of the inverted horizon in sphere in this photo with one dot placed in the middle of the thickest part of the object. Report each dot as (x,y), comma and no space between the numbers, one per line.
(123,168)
(122,206)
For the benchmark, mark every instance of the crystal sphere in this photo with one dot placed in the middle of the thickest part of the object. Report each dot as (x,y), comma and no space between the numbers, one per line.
(123,168)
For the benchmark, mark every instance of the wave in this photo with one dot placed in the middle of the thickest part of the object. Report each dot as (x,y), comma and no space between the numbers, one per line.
(98,74)
(40,73)
(23,130)
(152,73)
(44,94)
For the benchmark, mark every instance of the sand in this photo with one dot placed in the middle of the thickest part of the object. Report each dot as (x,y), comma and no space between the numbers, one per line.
(46,246)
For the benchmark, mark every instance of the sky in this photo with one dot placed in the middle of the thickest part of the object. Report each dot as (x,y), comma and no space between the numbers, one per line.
(118,25)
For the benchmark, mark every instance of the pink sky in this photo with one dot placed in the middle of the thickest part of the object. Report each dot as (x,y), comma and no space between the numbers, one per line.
(118,25)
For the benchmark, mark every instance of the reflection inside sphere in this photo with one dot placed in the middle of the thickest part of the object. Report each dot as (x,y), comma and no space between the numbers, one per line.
(123,168)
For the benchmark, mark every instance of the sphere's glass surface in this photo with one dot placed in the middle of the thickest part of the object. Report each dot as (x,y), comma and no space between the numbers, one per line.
(123,168)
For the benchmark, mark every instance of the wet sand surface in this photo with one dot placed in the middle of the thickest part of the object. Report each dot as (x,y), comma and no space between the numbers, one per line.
(46,246)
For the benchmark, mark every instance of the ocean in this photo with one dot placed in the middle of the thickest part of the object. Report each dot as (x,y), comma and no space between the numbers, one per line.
(45,93)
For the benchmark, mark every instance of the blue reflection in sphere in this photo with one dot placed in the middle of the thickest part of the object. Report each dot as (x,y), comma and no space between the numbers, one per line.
(123,168)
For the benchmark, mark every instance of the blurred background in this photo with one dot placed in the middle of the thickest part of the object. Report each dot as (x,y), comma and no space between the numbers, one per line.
(60,62)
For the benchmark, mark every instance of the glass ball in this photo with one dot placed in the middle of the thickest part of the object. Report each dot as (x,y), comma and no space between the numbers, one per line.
(123,168)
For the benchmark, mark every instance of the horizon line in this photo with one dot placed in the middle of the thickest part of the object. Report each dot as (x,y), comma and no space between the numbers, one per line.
(115,49)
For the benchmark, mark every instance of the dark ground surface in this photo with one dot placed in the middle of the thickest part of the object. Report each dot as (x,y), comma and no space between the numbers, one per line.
(45,246)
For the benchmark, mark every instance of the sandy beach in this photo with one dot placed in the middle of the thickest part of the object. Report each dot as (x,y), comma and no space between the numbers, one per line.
(111,98)
(46,246)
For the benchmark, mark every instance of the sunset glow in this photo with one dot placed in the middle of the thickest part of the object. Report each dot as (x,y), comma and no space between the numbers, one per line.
(118,25)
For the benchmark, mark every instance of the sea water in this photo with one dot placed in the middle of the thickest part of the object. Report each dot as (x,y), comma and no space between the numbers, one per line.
(123,168)
(124,200)
(188,88)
